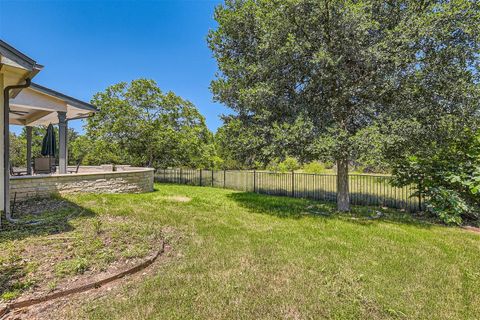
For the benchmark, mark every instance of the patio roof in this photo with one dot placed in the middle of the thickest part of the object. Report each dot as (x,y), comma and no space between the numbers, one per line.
(16,66)
(38,105)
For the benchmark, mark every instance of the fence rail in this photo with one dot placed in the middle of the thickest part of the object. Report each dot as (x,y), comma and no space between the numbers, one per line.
(371,190)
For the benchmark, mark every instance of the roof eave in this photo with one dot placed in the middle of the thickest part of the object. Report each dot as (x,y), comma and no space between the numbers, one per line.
(69,100)
(18,57)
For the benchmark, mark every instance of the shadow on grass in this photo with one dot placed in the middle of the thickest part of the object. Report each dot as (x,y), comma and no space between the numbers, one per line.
(38,217)
(294,208)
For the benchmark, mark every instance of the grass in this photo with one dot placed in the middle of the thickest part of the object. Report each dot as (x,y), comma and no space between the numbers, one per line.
(66,241)
(364,189)
(243,255)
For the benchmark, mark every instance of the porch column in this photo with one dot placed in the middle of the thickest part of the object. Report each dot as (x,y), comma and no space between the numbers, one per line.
(29,150)
(62,139)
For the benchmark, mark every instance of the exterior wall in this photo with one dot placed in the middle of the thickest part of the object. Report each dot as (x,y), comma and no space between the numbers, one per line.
(2,85)
(133,180)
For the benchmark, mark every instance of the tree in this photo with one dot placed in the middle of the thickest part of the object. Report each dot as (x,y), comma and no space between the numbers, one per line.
(18,145)
(17,151)
(138,124)
(343,66)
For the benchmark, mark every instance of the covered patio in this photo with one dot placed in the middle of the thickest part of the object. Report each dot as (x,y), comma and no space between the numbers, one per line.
(28,104)
(41,106)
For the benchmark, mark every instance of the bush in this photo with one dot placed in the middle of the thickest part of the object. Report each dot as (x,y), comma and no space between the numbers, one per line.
(287,165)
(314,167)
(447,204)
(448,175)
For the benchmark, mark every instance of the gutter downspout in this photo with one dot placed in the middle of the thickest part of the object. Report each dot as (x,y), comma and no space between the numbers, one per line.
(6,147)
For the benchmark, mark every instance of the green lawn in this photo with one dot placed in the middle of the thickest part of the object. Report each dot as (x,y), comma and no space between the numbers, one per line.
(243,255)
(365,189)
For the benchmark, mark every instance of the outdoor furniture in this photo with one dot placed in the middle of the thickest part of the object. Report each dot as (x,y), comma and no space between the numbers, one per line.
(44,165)
(17,172)
(76,168)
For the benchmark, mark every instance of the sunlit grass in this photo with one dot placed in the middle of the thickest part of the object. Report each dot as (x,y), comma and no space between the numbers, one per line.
(243,255)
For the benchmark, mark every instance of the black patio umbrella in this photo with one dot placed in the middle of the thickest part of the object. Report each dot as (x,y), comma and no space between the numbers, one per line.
(49,144)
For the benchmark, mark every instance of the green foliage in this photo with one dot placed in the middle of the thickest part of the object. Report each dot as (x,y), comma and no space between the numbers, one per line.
(447,204)
(18,145)
(369,150)
(446,171)
(96,152)
(314,167)
(288,165)
(138,124)
(73,266)
(310,78)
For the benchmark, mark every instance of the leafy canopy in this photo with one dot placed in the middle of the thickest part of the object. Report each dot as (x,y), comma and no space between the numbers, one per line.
(341,67)
(138,124)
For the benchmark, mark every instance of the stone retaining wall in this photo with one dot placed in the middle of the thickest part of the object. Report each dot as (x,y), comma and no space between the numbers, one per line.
(133,180)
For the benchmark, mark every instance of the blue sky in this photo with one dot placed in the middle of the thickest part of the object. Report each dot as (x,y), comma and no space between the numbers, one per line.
(89,45)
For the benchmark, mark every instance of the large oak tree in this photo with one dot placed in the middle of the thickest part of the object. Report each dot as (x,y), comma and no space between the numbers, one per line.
(345,65)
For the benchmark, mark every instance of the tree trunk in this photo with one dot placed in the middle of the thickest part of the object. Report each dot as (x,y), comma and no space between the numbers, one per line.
(343,196)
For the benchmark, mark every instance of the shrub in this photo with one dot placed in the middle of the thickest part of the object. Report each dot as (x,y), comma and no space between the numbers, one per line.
(314,167)
(448,175)
(287,165)
(447,204)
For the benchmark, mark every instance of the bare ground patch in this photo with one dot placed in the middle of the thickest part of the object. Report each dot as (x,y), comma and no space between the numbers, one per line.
(67,245)
(64,307)
(176,198)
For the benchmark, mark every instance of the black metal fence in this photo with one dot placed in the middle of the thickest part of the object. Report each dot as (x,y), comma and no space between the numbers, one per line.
(370,190)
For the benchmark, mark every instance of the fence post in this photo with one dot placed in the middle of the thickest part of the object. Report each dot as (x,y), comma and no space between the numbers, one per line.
(200,177)
(293,184)
(181,176)
(420,196)
(224,177)
(164,175)
(254,181)
(212,177)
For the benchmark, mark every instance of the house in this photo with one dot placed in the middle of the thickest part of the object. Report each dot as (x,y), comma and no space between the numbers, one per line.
(16,72)
(26,103)
(29,104)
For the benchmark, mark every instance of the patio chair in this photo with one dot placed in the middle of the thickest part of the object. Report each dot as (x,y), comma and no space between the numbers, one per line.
(44,165)
(76,168)
(17,172)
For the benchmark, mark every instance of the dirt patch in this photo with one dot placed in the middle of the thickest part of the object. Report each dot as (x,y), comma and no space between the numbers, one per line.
(66,245)
(177,198)
(39,206)
(472,229)
(61,307)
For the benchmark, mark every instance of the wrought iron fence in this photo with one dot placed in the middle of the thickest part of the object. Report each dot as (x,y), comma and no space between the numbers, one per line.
(365,189)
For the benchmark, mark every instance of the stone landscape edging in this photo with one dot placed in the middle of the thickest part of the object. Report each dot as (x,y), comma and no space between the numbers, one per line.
(4,310)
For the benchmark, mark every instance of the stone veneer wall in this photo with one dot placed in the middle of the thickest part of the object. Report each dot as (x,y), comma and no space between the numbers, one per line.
(132,180)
